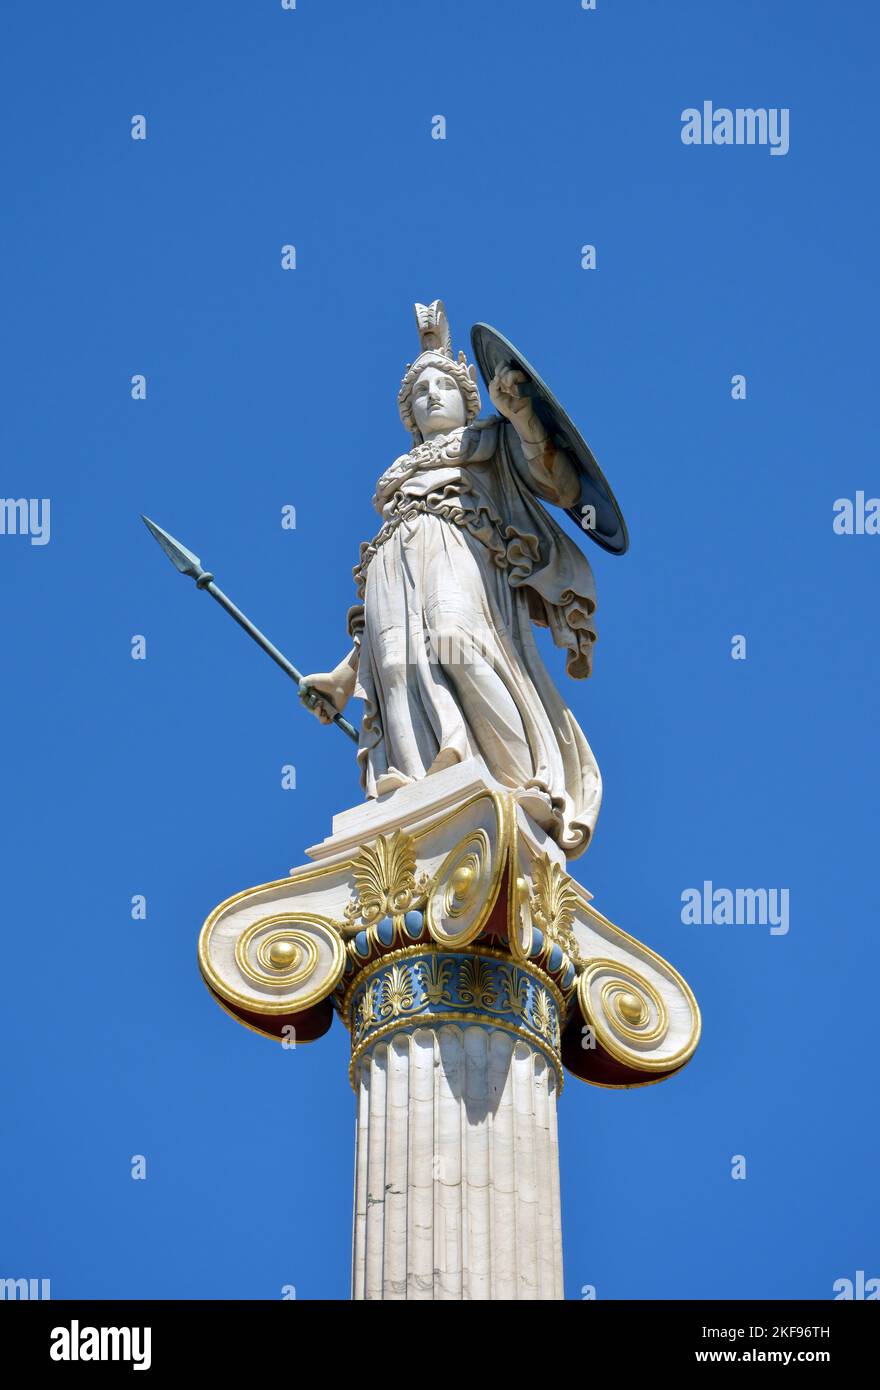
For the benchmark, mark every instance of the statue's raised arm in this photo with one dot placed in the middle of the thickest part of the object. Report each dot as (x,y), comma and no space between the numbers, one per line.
(465,561)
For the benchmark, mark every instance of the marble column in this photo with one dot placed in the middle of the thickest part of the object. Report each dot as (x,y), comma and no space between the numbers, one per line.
(457,1168)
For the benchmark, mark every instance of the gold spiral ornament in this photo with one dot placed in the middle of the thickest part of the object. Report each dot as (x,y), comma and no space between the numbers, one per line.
(519,916)
(462,895)
(628,1014)
(631,1008)
(279,964)
(279,958)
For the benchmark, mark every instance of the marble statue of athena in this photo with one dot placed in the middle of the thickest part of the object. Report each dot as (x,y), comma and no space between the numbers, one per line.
(466,561)
(438,920)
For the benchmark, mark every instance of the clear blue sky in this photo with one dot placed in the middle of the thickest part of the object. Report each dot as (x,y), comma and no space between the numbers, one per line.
(266,388)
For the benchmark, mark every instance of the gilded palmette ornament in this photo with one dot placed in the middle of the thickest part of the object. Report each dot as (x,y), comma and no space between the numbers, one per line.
(553,904)
(385,880)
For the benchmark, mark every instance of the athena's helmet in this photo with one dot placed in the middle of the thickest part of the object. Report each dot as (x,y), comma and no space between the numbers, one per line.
(436,342)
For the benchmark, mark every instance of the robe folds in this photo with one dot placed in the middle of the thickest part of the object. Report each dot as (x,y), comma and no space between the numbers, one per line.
(466,561)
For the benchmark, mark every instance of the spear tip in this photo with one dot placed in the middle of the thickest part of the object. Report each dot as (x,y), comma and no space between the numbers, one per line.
(180,557)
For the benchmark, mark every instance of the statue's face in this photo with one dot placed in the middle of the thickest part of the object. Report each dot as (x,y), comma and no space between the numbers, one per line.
(437,403)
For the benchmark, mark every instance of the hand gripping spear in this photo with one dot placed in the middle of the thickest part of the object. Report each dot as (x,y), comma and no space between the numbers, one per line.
(190,564)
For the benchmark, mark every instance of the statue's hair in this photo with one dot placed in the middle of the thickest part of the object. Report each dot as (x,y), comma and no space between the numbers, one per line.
(436,342)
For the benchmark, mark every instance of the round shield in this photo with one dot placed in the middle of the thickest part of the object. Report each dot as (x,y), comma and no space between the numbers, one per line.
(596,513)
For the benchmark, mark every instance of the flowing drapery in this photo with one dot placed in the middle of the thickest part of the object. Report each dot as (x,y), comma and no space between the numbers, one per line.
(466,561)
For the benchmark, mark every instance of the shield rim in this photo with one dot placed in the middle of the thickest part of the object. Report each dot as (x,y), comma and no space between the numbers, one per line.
(584,454)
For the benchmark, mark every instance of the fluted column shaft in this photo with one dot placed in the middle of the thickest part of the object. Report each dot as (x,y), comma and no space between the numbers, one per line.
(457,1168)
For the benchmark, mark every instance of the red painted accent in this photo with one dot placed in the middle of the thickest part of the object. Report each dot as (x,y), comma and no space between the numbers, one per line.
(310,1024)
(497,923)
(596,1065)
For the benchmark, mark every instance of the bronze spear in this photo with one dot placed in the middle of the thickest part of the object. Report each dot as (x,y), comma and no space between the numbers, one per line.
(190,564)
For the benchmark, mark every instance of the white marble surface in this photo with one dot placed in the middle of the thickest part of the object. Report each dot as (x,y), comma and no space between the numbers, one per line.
(410,808)
(466,559)
(456,1169)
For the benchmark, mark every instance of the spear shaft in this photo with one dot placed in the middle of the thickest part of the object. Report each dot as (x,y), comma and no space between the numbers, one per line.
(187,563)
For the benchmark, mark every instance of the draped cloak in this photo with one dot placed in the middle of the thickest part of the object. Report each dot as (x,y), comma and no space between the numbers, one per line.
(466,561)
